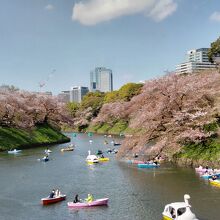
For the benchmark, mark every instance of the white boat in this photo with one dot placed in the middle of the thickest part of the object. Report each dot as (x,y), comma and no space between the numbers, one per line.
(91,159)
(15,151)
(48,151)
(179,210)
(90,141)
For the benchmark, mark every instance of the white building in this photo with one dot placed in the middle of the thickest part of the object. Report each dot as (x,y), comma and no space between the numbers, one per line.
(77,93)
(101,80)
(196,60)
(64,96)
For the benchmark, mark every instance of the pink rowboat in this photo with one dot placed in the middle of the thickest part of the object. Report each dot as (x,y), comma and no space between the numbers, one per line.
(47,200)
(98,202)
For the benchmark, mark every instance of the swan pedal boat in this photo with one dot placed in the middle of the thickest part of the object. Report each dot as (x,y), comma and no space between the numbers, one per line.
(179,211)
(98,202)
(215,182)
(47,200)
(92,159)
(14,151)
(148,165)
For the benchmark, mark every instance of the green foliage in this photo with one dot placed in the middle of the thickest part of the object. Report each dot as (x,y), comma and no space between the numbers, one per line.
(104,129)
(125,93)
(211,127)
(118,127)
(94,100)
(93,128)
(207,151)
(129,90)
(215,49)
(111,97)
(19,138)
(72,107)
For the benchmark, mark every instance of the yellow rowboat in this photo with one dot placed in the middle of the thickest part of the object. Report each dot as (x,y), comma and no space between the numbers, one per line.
(103,159)
(215,182)
(67,149)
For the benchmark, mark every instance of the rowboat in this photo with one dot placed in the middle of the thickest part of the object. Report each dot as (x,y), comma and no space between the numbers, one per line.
(209,176)
(103,159)
(47,200)
(148,165)
(215,182)
(15,151)
(179,210)
(44,159)
(48,151)
(67,149)
(135,161)
(98,202)
(99,152)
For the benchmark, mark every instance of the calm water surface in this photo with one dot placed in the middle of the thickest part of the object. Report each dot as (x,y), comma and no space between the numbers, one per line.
(133,193)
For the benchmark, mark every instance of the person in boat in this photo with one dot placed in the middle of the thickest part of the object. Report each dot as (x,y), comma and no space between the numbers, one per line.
(102,156)
(206,169)
(89,198)
(214,177)
(172,212)
(57,193)
(135,155)
(46,157)
(52,194)
(76,200)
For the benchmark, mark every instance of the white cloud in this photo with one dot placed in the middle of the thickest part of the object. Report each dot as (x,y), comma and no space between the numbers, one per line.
(163,9)
(215,16)
(49,7)
(91,12)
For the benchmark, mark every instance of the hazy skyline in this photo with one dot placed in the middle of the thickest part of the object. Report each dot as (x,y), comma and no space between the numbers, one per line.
(138,40)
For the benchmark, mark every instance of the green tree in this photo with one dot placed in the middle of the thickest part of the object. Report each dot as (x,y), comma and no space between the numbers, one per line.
(129,90)
(94,100)
(215,49)
(72,107)
(111,97)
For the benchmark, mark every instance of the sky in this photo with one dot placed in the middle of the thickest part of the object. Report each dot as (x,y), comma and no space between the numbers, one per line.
(56,43)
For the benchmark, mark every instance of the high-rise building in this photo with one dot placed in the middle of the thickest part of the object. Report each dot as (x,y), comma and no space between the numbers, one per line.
(77,93)
(101,79)
(196,60)
(64,96)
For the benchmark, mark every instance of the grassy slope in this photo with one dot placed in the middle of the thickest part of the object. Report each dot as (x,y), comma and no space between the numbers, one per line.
(18,138)
(117,128)
(207,151)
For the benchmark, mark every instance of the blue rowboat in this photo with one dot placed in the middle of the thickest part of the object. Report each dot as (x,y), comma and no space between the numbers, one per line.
(205,176)
(148,165)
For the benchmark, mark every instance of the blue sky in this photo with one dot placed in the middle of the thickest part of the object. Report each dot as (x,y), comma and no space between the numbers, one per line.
(138,39)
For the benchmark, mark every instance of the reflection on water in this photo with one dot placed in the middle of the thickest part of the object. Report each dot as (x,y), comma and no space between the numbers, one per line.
(133,193)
